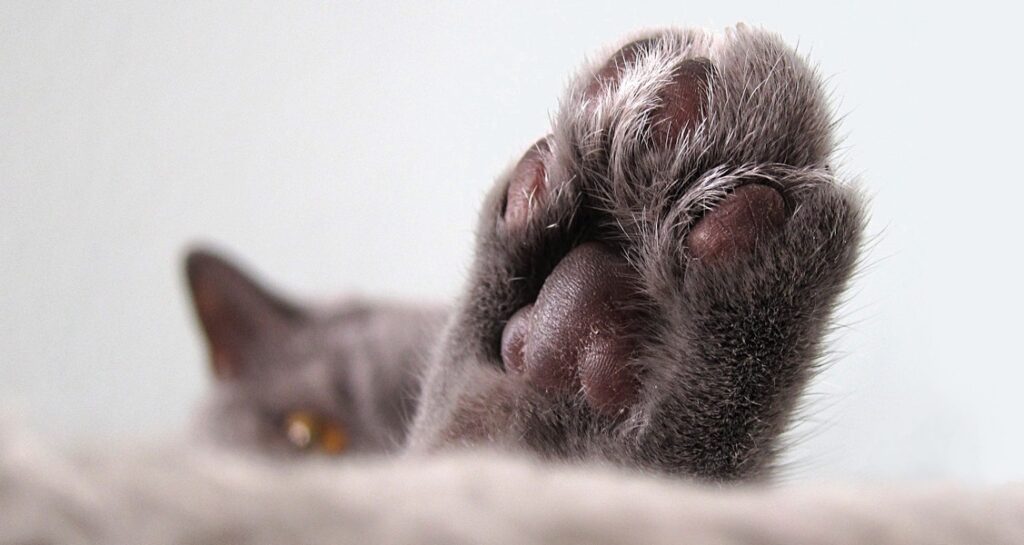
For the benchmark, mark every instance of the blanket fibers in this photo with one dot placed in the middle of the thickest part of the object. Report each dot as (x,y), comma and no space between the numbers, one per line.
(179,493)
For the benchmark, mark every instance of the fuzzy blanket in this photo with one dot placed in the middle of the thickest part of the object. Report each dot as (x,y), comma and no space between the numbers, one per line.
(177,493)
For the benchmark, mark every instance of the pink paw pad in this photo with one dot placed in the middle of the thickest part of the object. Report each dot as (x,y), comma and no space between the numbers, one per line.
(682,102)
(579,333)
(527,185)
(749,213)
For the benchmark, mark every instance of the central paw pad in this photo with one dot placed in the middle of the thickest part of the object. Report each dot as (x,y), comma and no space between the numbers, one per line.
(579,333)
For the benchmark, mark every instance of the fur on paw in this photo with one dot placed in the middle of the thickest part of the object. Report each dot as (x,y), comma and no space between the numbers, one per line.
(653,279)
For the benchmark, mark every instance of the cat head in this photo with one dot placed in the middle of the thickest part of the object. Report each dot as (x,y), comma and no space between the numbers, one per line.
(294,379)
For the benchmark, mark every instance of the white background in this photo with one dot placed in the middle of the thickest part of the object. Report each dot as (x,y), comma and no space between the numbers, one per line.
(345,146)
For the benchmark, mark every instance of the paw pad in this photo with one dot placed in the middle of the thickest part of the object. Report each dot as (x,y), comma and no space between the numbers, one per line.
(734,226)
(527,185)
(579,333)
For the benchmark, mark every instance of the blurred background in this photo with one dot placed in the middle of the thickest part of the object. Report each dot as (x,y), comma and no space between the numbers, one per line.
(344,147)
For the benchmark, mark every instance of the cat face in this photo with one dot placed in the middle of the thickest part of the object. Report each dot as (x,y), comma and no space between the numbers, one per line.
(298,380)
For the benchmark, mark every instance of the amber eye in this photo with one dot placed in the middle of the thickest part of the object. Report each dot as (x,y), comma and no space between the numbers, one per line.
(311,432)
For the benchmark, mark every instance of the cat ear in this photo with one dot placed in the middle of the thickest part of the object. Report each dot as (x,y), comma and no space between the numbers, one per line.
(236,312)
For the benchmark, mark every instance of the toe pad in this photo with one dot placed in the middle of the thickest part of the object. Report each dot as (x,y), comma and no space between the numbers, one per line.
(735,225)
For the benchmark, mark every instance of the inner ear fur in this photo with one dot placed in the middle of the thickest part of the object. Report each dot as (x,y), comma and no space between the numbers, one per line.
(235,311)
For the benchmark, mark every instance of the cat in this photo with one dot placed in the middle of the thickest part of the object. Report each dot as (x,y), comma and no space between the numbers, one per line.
(653,279)
(292,379)
(651,283)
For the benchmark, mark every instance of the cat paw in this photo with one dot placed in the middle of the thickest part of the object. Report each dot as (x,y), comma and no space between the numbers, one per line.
(653,279)
(582,331)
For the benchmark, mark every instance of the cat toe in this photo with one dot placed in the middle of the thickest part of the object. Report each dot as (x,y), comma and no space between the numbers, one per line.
(749,213)
(527,185)
(607,77)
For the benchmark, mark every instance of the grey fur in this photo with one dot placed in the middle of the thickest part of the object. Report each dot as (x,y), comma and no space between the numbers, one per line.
(177,493)
(355,362)
(726,349)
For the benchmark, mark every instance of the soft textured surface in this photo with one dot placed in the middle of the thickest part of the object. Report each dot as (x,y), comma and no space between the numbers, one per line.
(181,494)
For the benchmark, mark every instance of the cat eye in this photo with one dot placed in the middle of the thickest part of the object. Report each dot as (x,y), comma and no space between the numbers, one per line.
(308,431)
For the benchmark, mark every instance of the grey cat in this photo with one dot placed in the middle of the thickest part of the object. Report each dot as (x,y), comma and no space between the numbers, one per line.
(290,379)
(651,284)
(653,279)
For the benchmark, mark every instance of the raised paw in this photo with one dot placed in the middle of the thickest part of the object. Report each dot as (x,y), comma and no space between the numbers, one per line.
(653,279)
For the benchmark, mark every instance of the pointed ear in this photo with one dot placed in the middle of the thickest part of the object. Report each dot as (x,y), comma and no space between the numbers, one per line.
(235,312)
